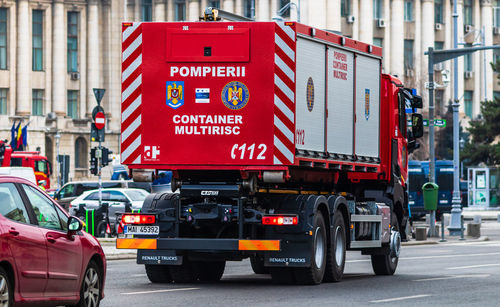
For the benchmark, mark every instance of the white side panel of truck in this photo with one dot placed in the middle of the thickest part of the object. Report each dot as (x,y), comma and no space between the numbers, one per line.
(310,95)
(340,101)
(367,106)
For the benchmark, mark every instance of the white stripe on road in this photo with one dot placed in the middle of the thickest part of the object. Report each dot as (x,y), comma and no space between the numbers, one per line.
(431,257)
(473,266)
(160,291)
(138,275)
(400,298)
(454,277)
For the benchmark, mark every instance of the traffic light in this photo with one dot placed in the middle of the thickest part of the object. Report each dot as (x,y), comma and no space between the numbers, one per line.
(105,156)
(93,161)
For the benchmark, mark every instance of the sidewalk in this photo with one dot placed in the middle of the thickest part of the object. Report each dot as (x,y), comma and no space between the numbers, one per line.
(486,214)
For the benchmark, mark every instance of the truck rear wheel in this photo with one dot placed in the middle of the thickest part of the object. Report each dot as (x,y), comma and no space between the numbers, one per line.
(184,273)
(158,273)
(314,274)
(210,271)
(386,264)
(335,256)
(258,267)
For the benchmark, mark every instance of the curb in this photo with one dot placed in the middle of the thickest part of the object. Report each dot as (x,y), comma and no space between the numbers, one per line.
(413,243)
(120,256)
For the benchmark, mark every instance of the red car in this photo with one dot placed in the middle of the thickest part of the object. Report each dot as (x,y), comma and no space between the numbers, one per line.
(45,256)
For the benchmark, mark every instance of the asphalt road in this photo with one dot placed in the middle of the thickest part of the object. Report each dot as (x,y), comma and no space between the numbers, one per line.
(458,274)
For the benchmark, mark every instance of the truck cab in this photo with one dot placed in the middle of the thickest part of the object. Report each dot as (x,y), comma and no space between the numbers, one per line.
(37,162)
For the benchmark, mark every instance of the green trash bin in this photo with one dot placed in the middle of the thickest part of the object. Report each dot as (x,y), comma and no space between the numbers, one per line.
(430,190)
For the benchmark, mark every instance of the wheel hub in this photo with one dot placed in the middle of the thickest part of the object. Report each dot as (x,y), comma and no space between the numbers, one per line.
(395,243)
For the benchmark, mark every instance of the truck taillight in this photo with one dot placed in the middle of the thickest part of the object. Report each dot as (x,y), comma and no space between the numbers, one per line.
(138,219)
(280,220)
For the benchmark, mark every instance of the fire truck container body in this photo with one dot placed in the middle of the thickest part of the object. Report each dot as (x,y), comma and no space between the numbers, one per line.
(286,142)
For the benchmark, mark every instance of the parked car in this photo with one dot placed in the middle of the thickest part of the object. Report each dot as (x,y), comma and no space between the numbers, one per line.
(117,199)
(45,255)
(72,190)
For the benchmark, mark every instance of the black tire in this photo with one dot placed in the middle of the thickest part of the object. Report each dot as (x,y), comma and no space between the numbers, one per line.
(282,276)
(335,255)
(158,273)
(6,291)
(90,291)
(258,267)
(184,273)
(210,271)
(314,274)
(100,230)
(385,264)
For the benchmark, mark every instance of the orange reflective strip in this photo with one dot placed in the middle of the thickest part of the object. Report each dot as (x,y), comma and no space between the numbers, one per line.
(136,243)
(259,245)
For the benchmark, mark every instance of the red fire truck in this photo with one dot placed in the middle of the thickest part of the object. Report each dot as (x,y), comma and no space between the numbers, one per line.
(287,143)
(40,164)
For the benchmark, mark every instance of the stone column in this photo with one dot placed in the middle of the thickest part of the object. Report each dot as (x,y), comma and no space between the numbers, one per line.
(397,38)
(366,21)
(487,23)
(427,40)
(262,10)
(418,69)
(386,51)
(193,10)
(170,10)
(355,13)
(317,13)
(238,7)
(137,11)
(23,86)
(477,64)
(333,20)
(59,70)
(159,10)
(228,5)
(448,44)
(93,73)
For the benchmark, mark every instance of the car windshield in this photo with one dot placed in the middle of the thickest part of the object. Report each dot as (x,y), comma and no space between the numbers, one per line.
(136,195)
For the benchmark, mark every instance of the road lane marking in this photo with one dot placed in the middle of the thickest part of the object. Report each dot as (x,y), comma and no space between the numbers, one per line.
(160,291)
(400,298)
(454,277)
(431,257)
(138,275)
(473,266)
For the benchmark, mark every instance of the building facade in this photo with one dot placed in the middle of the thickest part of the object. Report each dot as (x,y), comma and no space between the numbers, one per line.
(54,52)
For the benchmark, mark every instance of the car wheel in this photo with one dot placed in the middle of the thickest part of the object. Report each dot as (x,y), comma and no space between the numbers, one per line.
(314,274)
(386,264)
(335,256)
(90,292)
(5,289)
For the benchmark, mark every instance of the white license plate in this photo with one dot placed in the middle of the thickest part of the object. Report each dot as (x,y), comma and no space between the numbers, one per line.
(141,230)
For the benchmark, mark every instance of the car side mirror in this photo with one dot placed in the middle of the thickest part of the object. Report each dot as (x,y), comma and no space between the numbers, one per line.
(417,125)
(416,102)
(74,224)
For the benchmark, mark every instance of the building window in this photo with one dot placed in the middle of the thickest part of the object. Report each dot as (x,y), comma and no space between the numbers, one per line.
(467,13)
(146,10)
(37,102)
(247,8)
(286,13)
(468,103)
(468,59)
(496,95)
(378,12)
(345,8)
(438,11)
(408,10)
(438,45)
(214,3)
(3,38)
(37,33)
(73,41)
(73,104)
(379,42)
(3,100)
(408,55)
(180,10)
(81,153)
(496,55)
(496,14)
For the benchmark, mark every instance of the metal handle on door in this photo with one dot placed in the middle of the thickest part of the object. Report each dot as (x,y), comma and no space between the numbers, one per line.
(13,231)
(51,239)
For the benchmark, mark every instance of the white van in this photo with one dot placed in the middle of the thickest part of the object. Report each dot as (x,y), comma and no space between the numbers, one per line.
(19,171)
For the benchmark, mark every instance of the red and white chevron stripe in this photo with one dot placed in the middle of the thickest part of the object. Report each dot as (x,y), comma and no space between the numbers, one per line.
(131,149)
(284,94)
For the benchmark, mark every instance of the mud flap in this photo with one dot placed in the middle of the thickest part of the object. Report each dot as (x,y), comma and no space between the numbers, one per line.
(150,256)
(292,254)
